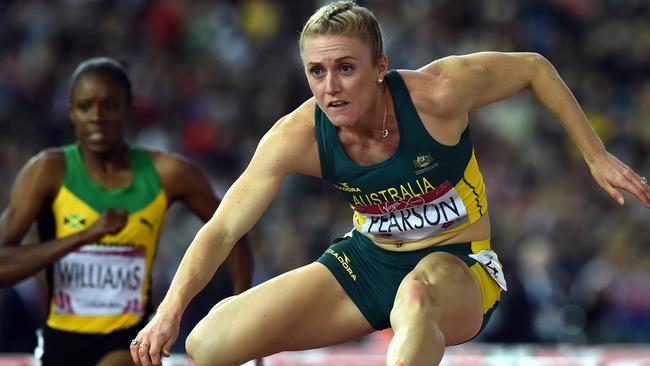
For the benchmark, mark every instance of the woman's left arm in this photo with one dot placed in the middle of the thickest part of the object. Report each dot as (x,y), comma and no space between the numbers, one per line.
(488,77)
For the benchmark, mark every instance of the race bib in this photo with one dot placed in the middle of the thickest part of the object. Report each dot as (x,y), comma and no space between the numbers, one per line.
(416,217)
(490,262)
(100,280)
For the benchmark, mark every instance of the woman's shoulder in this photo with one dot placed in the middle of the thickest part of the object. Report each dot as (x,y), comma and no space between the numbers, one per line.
(430,92)
(173,167)
(46,169)
(50,160)
(299,121)
(419,82)
(436,88)
(292,139)
(443,71)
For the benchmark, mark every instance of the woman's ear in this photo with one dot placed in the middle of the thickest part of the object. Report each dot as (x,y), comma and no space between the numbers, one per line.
(382,65)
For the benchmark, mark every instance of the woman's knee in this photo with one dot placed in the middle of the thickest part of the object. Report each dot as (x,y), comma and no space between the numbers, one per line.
(415,293)
(202,348)
(194,347)
(441,267)
(220,304)
(415,301)
(417,290)
(455,293)
(202,340)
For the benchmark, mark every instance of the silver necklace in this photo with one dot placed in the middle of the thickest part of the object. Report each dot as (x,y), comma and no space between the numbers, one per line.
(384,130)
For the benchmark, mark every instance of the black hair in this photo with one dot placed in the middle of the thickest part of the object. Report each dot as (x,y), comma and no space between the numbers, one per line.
(104,66)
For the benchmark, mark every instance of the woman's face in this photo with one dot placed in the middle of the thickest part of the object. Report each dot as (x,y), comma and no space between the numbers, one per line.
(342,76)
(99,109)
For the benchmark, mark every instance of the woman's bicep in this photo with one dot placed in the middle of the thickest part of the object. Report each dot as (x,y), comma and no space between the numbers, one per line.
(288,147)
(478,79)
(250,195)
(497,75)
(244,203)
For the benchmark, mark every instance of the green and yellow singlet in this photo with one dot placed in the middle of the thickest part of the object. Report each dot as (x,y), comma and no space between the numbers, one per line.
(105,286)
(424,189)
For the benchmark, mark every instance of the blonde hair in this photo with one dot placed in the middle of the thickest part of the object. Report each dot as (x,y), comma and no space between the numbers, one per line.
(347,18)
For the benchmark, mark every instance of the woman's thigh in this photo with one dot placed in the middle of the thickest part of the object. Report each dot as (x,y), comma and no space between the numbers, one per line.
(302,309)
(455,292)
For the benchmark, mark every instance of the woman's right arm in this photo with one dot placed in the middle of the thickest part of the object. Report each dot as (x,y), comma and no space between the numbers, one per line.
(34,186)
(281,151)
(241,207)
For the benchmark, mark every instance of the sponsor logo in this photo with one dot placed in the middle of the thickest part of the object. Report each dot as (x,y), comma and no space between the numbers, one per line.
(74,221)
(343,186)
(146,223)
(345,262)
(400,205)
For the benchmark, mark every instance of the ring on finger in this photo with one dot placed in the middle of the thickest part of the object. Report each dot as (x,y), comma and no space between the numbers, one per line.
(134,343)
(644,181)
(144,345)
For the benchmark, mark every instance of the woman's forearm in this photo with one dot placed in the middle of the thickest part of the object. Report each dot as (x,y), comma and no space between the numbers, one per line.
(206,253)
(553,93)
(20,262)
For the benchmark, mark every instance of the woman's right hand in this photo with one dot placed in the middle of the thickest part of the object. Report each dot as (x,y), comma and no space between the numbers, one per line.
(155,339)
(111,222)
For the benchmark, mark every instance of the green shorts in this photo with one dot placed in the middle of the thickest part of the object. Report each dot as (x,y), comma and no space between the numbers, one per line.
(371,275)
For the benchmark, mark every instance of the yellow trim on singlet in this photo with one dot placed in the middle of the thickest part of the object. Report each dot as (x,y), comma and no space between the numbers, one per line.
(472,191)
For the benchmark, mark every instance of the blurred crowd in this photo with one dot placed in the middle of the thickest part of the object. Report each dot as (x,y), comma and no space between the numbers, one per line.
(210,77)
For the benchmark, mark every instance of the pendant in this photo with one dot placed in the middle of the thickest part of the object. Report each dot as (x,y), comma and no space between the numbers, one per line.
(384,134)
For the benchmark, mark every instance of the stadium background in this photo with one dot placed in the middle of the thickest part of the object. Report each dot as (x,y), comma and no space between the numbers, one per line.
(210,77)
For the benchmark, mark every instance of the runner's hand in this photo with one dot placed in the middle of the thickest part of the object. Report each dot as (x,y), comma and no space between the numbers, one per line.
(612,175)
(154,340)
(111,222)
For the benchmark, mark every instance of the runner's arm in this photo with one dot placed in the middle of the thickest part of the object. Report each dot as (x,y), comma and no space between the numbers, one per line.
(487,77)
(32,189)
(239,210)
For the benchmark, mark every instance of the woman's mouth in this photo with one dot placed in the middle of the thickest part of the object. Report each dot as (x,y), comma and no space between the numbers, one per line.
(96,136)
(337,104)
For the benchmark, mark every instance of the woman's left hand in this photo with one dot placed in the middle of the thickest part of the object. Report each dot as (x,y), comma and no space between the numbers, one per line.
(612,175)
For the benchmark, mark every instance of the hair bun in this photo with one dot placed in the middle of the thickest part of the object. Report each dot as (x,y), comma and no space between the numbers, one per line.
(338,7)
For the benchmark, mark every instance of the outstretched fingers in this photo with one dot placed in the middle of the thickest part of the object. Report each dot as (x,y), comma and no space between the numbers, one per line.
(614,193)
(640,189)
(612,175)
(635,184)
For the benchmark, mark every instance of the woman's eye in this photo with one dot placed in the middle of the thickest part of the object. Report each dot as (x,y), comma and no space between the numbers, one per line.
(84,106)
(345,68)
(316,71)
